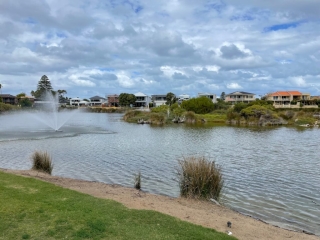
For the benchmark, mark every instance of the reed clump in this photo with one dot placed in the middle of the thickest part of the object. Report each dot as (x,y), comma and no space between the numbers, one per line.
(137,181)
(41,161)
(199,178)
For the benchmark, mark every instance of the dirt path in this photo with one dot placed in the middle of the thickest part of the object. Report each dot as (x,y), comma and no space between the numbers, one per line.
(198,212)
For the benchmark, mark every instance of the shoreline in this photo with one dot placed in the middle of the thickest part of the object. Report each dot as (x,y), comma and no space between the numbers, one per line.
(202,213)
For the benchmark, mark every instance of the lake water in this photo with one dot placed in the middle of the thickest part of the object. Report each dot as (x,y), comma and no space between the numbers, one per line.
(270,173)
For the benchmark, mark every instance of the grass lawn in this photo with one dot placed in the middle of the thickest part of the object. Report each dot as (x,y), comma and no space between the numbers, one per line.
(32,209)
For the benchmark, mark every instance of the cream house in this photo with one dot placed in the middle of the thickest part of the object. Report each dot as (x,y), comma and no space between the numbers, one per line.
(237,97)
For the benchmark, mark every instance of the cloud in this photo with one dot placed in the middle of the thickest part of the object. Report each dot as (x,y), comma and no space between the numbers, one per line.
(233,86)
(98,47)
(232,52)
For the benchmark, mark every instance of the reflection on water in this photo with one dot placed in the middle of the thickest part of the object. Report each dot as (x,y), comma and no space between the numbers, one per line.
(270,173)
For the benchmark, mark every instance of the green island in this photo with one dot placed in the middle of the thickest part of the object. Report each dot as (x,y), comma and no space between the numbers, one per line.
(33,209)
(202,110)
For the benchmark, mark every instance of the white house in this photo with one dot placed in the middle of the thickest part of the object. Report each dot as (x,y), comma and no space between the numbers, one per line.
(97,101)
(211,96)
(78,102)
(159,100)
(142,100)
(183,97)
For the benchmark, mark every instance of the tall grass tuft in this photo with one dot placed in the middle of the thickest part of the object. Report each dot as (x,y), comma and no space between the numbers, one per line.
(41,161)
(199,178)
(137,181)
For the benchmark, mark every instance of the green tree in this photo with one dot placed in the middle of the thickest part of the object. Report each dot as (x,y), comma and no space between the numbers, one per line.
(223,96)
(43,86)
(171,98)
(125,99)
(25,102)
(201,105)
(239,106)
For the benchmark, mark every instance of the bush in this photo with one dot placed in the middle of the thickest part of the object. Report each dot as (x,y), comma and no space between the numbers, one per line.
(190,117)
(160,109)
(199,178)
(201,105)
(254,111)
(157,118)
(6,107)
(41,161)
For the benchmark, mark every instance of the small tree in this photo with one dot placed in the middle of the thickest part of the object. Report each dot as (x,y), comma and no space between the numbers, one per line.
(125,99)
(223,96)
(171,98)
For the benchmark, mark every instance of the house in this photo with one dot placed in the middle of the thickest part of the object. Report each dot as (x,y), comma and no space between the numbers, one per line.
(211,96)
(159,100)
(289,99)
(97,101)
(237,97)
(183,97)
(9,99)
(77,102)
(113,100)
(284,97)
(142,100)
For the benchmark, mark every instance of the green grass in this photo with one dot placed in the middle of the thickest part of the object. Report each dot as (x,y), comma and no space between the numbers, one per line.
(32,209)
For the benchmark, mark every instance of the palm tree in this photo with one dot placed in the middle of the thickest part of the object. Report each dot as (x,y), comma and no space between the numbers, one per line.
(0,88)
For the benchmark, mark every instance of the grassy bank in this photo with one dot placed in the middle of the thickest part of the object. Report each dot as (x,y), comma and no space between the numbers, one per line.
(32,209)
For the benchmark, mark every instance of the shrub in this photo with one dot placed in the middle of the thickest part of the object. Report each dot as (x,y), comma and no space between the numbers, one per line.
(199,178)
(160,109)
(41,161)
(190,117)
(254,111)
(201,105)
(157,118)
(131,114)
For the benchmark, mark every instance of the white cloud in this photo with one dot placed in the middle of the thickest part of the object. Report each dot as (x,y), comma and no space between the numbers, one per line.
(233,86)
(96,46)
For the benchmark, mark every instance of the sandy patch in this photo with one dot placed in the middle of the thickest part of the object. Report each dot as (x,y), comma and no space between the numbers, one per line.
(198,212)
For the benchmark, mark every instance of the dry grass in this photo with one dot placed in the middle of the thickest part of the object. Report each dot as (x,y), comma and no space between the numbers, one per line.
(199,178)
(41,161)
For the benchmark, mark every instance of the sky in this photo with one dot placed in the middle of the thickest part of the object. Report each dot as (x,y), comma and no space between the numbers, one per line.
(101,47)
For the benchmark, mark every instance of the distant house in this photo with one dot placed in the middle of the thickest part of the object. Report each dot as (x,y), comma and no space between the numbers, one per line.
(237,97)
(9,99)
(289,99)
(97,101)
(142,100)
(159,99)
(77,102)
(183,97)
(113,100)
(211,96)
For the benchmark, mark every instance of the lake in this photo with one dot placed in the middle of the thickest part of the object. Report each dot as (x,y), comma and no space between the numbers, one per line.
(270,173)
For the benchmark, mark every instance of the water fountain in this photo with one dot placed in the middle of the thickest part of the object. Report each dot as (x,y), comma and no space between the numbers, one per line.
(43,119)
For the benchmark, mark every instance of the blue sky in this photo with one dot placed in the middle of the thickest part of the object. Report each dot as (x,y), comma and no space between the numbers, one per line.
(100,47)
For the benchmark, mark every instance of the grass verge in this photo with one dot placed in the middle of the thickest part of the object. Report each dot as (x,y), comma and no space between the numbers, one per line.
(32,209)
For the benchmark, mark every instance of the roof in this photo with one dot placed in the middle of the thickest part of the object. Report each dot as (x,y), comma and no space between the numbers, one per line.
(159,95)
(7,95)
(241,93)
(97,98)
(286,93)
(140,94)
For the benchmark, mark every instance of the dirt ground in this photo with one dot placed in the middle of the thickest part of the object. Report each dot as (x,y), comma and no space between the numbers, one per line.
(202,213)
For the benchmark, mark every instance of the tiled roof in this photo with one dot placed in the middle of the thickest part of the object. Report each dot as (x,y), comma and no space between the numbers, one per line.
(286,93)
